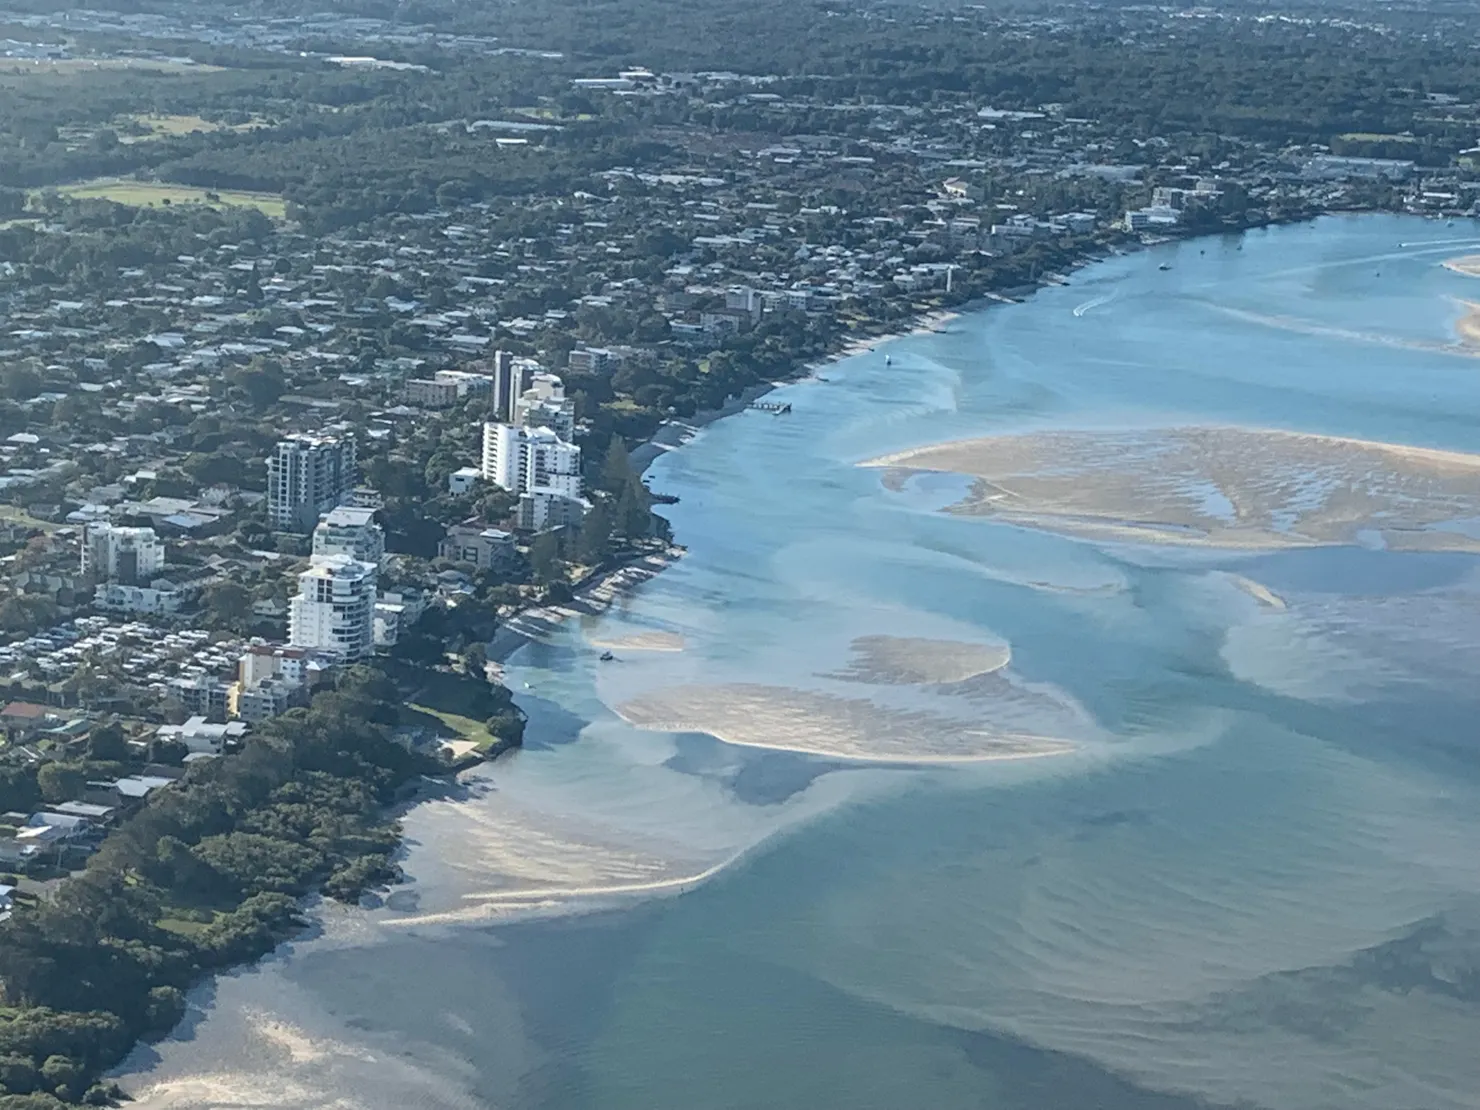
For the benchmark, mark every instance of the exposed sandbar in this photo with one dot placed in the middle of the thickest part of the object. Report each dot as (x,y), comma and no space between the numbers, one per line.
(640,641)
(1212,486)
(517,858)
(857,730)
(1467,327)
(906,661)
(1258,591)
(1468,264)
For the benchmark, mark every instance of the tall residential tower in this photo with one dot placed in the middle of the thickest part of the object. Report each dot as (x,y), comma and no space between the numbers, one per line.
(307,476)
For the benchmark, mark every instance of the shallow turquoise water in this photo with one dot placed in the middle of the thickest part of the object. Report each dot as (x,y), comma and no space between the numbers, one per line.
(1256,884)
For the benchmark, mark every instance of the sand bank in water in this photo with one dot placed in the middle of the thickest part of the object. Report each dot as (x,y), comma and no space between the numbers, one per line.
(1212,486)
(639,641)
(858,730)
(1258,591)
(1468,264)
(899,660)
(1467,327)
(519,858)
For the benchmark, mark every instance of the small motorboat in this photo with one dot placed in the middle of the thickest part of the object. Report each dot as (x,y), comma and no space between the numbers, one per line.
(888,360)
(607,657)
(1165,266)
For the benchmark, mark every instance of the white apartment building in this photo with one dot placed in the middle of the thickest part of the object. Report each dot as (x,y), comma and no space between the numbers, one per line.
(118,598)
(521,460)
(306,477)
(130,556)
(335,607)
(543,404)
(351,531)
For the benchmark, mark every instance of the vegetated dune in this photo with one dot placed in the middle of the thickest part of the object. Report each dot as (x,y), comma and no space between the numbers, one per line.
(1214,486)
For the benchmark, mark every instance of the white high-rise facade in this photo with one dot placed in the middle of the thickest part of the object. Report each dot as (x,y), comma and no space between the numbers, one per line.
(543,404)
(524,460)
(306,477)
(350,530)
(130,556)
(335,607)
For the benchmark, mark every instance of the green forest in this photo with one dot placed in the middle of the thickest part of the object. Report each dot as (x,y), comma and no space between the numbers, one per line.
(206,875)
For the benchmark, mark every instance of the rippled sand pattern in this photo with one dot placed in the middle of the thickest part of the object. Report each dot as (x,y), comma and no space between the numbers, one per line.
(784,719)
(520,858)
(899,660)
(640,641)
(1213,486)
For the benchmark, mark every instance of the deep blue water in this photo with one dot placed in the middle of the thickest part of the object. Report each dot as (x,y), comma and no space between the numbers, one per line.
(1254,884)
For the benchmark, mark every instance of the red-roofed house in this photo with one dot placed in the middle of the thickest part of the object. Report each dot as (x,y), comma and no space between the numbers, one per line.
(23,718)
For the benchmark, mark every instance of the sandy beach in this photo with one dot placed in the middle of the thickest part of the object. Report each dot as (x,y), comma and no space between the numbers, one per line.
(1212,486)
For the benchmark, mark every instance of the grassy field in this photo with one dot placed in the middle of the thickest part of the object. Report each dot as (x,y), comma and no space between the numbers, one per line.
(147,194)
(16,515)
(464,727)
(160,127)
(68,66)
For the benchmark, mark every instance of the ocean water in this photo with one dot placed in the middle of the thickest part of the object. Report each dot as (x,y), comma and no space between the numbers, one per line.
(1253,882)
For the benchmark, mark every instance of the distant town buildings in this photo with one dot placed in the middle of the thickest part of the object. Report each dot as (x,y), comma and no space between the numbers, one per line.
(307,476)
(1331,167)
(447,388)
(334,609)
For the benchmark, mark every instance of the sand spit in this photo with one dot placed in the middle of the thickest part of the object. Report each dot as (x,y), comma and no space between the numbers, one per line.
(1468,264)
(857,730)
(1354,335)
(898,660)
(1258,591)
(1245,488)
(640,641)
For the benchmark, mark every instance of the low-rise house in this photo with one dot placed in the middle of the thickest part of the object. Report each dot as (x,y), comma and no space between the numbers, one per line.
(198,735)
(474,543)
(22,719)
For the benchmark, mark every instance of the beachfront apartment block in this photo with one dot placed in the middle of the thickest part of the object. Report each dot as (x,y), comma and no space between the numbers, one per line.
(539,466)
(334,609)
(543,404)
(308,475)
(350,530)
